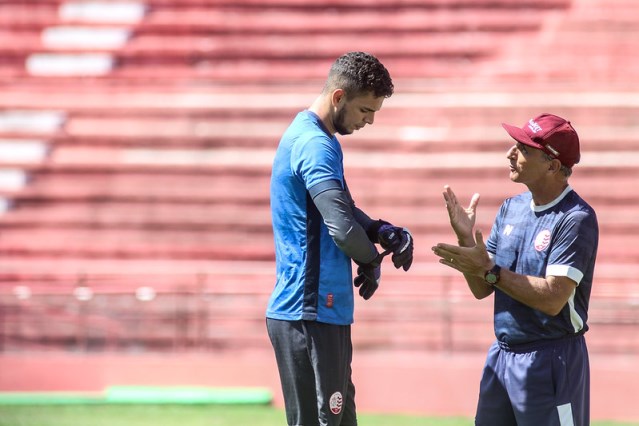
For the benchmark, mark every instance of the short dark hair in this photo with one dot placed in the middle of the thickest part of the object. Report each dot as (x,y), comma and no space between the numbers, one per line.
(359,73)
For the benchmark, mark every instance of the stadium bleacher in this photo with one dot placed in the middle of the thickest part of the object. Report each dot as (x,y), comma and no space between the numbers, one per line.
(136,139)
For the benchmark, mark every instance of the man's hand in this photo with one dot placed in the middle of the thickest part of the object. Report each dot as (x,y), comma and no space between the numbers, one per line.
(462,219)
(400,242)
(473,260)
(368,277)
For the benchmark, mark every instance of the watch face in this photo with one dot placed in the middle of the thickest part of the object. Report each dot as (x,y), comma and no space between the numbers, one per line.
(492,276)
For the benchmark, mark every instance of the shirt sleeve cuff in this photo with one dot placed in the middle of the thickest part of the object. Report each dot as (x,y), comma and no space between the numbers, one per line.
(565,271)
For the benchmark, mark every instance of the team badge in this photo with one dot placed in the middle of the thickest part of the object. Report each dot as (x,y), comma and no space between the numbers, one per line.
(335,403)
(543,240)
(329,300)
(533,126)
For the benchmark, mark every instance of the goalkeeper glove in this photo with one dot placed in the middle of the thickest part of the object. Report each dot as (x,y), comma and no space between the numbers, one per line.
(397,240)
(368,277)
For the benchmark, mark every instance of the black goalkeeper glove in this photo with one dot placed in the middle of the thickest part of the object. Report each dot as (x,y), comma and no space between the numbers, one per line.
(368,277)
(397,240)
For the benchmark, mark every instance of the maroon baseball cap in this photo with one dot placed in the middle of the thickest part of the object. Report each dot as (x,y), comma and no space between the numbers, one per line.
(550,133)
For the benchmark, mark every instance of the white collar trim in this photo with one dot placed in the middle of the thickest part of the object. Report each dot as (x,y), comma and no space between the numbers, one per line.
(553,203)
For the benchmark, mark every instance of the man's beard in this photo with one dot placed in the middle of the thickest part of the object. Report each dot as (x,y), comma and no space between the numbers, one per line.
(338,122)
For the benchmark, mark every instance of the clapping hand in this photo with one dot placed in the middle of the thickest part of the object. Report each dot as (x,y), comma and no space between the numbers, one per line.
(462,219)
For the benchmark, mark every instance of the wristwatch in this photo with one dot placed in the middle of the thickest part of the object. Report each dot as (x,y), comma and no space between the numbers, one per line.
(492,276)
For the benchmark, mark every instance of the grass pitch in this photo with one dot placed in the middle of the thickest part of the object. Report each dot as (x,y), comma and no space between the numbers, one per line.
(192,415)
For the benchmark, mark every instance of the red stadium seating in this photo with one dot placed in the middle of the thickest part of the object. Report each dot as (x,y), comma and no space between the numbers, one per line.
(157,170)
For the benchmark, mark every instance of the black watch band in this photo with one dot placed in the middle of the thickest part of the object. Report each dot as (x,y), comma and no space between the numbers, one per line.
(492,276)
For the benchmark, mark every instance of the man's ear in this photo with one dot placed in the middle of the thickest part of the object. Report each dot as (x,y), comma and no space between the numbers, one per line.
(554,165)
(337,96)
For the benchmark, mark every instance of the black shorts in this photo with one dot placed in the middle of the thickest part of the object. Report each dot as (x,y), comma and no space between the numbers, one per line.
(314,362)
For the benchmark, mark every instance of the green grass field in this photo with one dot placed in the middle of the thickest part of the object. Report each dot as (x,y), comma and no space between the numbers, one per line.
(192,415)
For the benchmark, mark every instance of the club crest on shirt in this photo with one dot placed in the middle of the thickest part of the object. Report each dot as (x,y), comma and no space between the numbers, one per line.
(335,403)
(542,240)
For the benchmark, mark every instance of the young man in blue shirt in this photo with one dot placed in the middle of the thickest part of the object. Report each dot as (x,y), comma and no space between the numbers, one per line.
(318,230)
(538,262)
